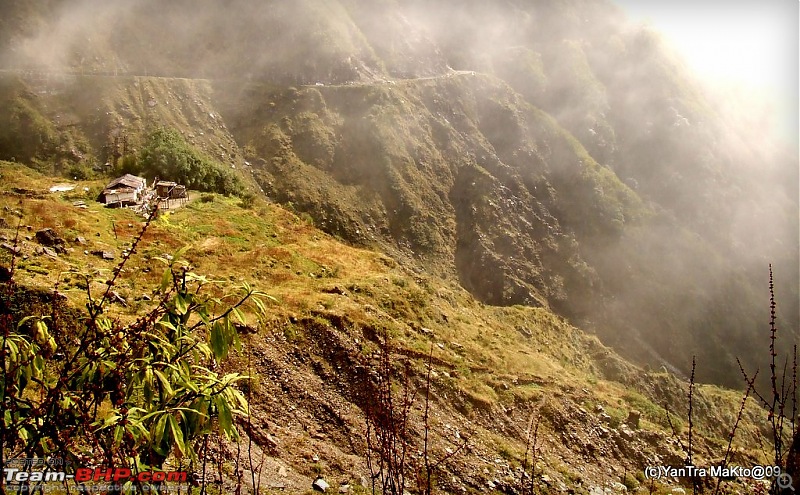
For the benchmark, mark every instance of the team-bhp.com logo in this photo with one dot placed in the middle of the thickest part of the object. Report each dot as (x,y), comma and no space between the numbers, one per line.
(83,475)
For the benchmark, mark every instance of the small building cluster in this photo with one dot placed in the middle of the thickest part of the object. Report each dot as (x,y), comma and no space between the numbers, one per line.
(131,191)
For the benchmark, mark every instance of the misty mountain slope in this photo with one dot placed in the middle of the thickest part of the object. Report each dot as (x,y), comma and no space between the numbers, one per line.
(580,167)
(460,174)
(291,43)
(86,120)
(635,107)
(433,184)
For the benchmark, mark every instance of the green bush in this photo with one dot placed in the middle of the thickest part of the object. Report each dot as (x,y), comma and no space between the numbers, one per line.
(80,171)
(248,199)
(168,156)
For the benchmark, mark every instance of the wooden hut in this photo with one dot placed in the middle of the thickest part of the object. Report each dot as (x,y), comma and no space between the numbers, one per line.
(167,190)
(164,188)
(124,191)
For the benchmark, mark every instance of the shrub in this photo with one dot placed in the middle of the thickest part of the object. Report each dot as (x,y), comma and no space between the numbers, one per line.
(248,199)
(167,155)
(79,171)
(91,391)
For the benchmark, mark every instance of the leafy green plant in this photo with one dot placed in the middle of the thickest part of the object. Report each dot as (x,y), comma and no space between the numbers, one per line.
(93,391)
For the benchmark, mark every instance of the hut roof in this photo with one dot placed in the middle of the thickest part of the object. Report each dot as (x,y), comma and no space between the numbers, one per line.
(127,180)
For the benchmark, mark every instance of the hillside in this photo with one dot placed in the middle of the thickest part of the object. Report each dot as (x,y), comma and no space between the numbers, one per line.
(538,191)
(554,157)
(494,369)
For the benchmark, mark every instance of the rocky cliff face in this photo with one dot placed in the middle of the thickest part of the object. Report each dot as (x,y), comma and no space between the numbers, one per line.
(538,153)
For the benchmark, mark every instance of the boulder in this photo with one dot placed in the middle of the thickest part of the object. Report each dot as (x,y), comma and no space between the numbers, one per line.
(49,237)
(12,248)
(117,298)
(320,485)
(106,255)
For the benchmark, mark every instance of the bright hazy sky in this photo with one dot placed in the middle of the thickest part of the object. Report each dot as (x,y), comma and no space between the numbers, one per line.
(749,43)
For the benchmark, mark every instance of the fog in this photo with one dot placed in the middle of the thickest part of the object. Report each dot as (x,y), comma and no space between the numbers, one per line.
(717,177)
(746,47)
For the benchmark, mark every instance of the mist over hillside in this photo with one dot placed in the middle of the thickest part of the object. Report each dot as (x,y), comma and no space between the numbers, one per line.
(539,153)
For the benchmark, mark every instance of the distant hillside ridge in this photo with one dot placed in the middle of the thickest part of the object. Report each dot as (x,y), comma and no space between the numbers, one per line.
(538,153)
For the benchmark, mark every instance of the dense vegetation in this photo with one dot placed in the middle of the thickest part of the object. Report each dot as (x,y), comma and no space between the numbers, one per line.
(167,155)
